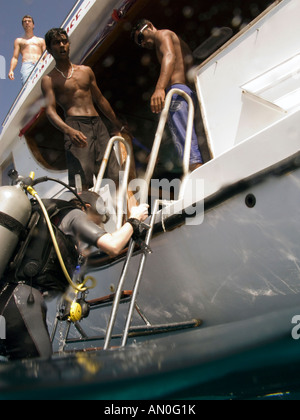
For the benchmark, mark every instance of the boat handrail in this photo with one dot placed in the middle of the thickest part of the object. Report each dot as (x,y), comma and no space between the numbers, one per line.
(158,139)
(123,188)
(70,14)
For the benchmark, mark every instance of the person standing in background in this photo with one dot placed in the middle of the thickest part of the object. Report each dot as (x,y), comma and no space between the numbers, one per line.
(30,47)
(175,58)
(75,89)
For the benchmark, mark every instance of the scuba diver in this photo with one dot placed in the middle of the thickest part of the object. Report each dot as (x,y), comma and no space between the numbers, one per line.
(33,270)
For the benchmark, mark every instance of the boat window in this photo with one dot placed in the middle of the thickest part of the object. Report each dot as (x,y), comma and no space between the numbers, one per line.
(46,143)
(6,167)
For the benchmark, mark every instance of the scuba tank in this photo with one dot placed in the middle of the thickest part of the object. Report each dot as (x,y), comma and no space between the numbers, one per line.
(15,211)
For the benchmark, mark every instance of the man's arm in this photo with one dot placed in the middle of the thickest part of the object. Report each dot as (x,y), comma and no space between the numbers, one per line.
(43,46)
(78,138)
(165,48)
(14,60)
(113,244)
(103,103)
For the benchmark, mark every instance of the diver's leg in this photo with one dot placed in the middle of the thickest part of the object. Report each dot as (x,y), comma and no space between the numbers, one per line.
(26,330)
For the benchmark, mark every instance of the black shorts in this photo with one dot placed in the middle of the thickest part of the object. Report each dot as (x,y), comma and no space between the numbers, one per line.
(86,161)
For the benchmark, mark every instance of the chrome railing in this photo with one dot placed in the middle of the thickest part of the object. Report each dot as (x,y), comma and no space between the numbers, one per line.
(123,187)
(159,135)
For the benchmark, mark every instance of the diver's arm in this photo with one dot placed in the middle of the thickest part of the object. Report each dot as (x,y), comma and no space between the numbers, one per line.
(113,244)
(88,232)
(78,225)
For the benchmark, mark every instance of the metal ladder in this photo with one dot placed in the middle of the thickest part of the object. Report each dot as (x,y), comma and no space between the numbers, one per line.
(147,328)
(144,193)
(131,248)
(145,251)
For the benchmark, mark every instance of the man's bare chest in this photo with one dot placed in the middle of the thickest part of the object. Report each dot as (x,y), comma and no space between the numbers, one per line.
(71,90)
(30,44)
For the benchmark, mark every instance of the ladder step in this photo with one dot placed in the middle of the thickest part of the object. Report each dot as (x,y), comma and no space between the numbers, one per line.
(126,294)
(164,328)
(140,331)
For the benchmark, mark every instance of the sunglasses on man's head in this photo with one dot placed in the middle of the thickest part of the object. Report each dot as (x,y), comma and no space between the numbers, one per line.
(141,36)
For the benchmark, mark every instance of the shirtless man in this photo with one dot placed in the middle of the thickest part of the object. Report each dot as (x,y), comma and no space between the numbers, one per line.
(75,89)
(176,60)
(30,47)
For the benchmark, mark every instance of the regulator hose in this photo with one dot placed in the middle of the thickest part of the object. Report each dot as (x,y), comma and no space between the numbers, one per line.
(80,287)
(58,181)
